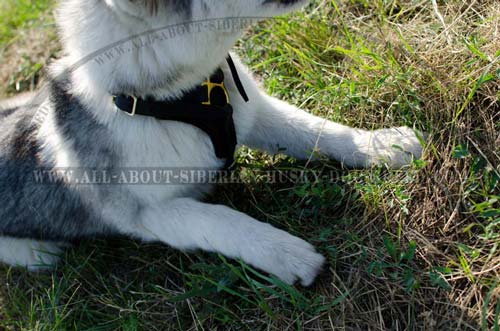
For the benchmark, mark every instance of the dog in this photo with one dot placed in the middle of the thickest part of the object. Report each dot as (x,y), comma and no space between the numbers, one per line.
(121,57)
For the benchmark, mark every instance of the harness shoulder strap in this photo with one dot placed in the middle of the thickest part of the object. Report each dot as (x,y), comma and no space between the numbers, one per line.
(207,107)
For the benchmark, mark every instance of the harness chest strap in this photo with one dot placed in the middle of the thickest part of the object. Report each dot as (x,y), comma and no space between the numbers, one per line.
(206,107)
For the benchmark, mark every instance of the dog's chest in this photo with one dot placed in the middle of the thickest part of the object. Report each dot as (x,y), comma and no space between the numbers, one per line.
(165,155)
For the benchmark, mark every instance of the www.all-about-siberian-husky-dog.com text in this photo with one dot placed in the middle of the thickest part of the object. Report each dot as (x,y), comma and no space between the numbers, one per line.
(178,102)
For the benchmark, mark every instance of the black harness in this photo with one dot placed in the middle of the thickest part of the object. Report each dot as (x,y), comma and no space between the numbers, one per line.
(207,107)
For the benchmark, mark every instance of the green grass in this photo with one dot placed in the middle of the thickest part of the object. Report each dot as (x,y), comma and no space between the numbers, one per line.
(27,41)
(20,15)
(407,250)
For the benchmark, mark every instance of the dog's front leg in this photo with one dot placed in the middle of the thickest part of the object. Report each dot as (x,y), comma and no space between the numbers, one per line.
(275,126)
(188,224)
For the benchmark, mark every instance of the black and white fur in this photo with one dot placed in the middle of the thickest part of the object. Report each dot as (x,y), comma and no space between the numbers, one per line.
(82,128)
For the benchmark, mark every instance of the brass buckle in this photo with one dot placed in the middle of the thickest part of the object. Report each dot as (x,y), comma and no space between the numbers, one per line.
(210,86)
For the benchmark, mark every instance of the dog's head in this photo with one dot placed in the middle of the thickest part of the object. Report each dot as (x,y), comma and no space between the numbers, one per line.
(141,46)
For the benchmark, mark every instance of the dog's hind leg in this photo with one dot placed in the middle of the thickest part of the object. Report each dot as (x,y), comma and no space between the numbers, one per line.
(32,254)
(188,224)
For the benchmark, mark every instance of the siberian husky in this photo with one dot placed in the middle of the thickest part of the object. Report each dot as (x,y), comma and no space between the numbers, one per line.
(149,54)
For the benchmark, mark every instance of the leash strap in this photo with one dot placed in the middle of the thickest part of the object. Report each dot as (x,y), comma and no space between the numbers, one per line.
(236,78)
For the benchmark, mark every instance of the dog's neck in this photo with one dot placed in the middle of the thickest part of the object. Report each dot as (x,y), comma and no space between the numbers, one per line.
(97,98)
(105,57)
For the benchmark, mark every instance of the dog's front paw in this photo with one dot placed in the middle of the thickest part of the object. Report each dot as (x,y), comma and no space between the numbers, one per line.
(396,147)
(43,256)
(31,254)
(289,258)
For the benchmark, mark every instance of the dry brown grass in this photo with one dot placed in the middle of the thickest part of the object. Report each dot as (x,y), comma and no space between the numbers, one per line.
(444,75)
